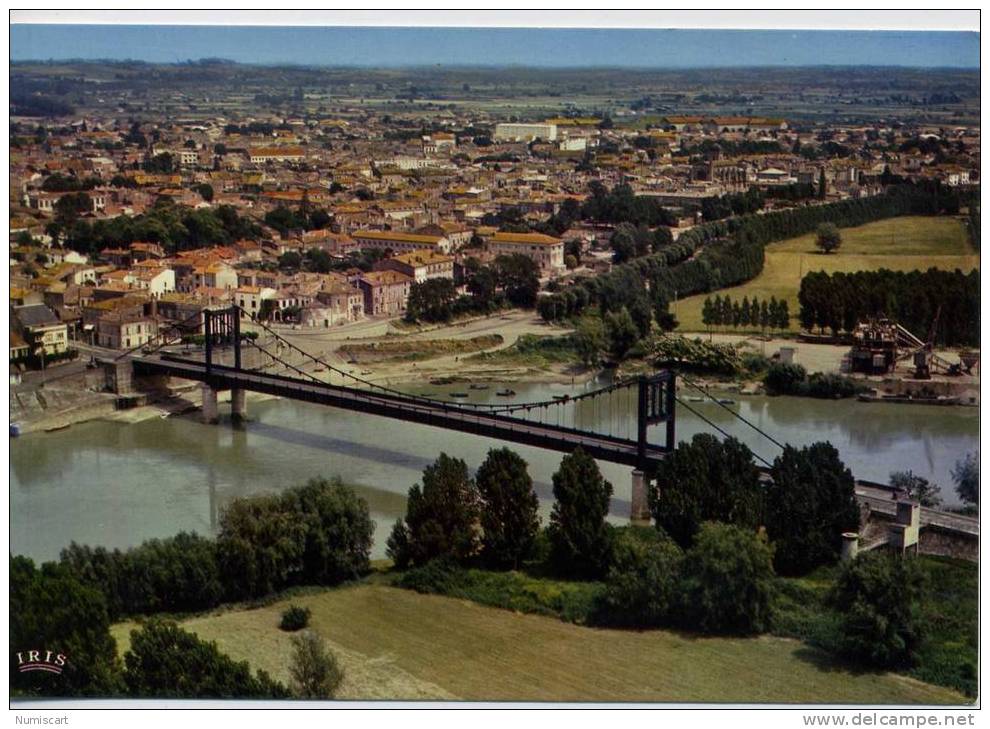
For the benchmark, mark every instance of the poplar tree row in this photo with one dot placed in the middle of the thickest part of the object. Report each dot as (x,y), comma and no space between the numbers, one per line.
(722,311)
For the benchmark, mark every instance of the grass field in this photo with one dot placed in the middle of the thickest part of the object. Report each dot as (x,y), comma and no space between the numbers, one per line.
(899,244)
(399,644)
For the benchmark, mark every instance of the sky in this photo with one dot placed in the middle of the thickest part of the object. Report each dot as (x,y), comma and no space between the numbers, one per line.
(549,47)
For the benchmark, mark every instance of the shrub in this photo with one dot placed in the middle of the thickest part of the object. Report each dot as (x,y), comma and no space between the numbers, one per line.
(642,584)
(294,618)
(728,582)
(785,379)
(165,661)
(879,595)
(438,576)
(314,670)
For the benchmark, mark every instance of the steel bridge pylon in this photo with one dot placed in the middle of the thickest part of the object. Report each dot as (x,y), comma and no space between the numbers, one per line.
(222,327)
(656,402)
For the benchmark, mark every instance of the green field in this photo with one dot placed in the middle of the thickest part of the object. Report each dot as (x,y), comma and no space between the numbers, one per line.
(899,244)
(399,644)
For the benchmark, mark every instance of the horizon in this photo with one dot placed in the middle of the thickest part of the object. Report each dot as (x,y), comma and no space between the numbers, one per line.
(548,48)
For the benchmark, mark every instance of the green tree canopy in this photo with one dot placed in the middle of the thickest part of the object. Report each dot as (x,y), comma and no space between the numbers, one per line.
(706,480)
(509,517)
(52,610)
(442,516)
(728,581)
(827,237)
(579,535)
(879,597)
(811,501)
(165,661)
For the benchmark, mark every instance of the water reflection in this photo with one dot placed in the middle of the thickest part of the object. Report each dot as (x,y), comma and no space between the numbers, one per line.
(116,484)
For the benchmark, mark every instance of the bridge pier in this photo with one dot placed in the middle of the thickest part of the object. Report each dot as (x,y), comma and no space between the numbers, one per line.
(211,412)
(238,404)
(639,513)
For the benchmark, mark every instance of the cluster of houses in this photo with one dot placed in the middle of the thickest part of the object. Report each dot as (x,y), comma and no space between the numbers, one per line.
(422,200)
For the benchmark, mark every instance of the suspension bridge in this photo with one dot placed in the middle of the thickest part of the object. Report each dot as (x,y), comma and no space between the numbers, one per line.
(266,362)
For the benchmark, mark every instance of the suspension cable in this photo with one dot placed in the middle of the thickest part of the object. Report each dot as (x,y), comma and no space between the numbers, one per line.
(702,417)
(727,408)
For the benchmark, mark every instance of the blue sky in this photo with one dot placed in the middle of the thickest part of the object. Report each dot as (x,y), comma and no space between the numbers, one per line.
(348,46)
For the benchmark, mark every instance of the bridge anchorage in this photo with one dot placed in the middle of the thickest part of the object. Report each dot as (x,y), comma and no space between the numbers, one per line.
(596,421)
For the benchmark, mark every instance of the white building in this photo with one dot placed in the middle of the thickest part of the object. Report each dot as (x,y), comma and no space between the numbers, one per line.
(545,250)
(525,132)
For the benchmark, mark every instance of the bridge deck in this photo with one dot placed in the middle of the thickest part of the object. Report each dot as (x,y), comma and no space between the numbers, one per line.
(411,409)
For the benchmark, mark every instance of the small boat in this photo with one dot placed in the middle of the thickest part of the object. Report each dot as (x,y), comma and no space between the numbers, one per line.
(365,372)
(15,430)
(561,397)
(458,394)
(505,393)
(696,399)
(725,401)
(164,415)
(478,386)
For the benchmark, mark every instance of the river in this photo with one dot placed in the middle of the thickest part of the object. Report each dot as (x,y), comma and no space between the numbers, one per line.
(116,484)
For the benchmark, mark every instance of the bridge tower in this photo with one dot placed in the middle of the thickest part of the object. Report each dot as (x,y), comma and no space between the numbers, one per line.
(655,406)
(222,328)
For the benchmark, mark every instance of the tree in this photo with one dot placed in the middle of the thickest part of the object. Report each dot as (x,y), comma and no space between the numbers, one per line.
(822,186)
(966,475)
(620,332)
(314,669)
(708,315)
(917,488)
(728,581)
(290,260)
(442,516)
(319,533)
(519,277)
(431,300)
(878,595)
(810,502)
(165,661)
(50,609)
(509,517)
(578,533)
(590,340)
(828,238)
(205,191)
(641,588)
(623,245)
(706,480)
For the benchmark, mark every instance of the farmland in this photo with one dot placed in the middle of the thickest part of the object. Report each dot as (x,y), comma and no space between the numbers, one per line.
(399,644)
(899,244)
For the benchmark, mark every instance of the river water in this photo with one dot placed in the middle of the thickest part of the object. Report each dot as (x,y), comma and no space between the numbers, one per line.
(117,484)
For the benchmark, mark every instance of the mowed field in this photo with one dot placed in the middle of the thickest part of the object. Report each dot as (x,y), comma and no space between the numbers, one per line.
(398,644)
(899,244)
